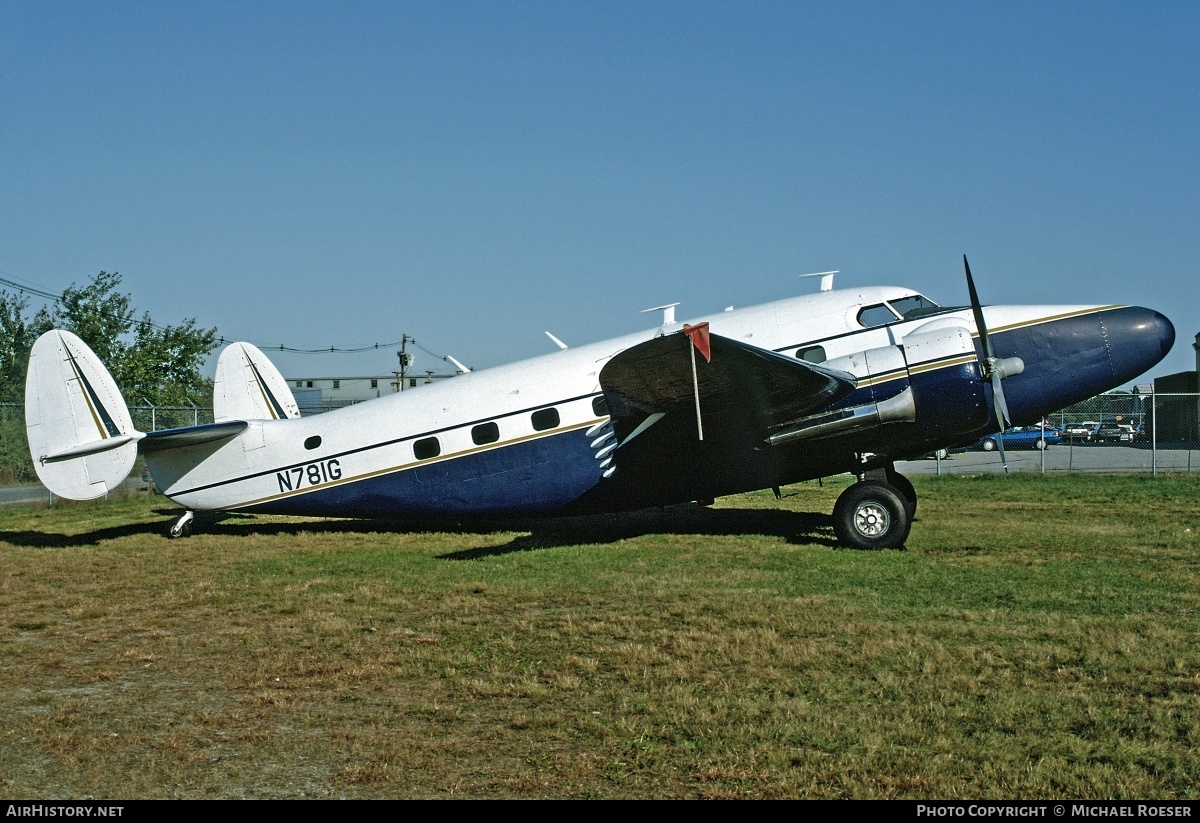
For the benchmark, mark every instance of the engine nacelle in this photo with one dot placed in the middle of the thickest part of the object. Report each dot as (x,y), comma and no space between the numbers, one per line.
(946,378)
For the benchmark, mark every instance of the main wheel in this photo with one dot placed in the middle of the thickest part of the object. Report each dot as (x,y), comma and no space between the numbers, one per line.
(902,485)
(871,515)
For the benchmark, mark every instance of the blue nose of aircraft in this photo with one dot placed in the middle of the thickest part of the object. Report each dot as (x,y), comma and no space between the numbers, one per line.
(1136,339)
(1079,356)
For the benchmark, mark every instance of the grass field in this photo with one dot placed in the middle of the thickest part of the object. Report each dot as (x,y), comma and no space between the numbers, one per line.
(1038,638)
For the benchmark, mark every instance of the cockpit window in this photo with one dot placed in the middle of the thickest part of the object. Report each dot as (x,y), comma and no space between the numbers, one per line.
(873,316)
(907,308)
(913,306)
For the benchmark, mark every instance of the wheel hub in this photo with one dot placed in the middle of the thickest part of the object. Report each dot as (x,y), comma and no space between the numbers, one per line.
(871,519)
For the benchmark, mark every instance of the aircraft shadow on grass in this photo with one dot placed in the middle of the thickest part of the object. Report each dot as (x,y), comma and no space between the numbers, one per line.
(56,540)
(796,528)
(534,533)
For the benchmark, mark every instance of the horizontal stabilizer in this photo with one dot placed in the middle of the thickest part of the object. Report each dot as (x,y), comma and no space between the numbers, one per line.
(191,436)
(247,386)
(95,447)
(81,437)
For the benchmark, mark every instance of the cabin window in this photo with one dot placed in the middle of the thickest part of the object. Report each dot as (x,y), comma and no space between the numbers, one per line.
(426,448)
(312,442)
(544,419)
(485,433)
(600,406)
(811,354)
(873,316)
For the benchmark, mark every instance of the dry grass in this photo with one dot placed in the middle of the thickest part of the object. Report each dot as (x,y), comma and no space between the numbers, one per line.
(1036,640)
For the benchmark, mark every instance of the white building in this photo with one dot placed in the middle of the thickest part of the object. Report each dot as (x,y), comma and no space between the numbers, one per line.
(320,394)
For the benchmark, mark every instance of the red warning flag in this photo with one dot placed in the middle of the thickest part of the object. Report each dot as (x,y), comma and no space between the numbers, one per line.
(698,334)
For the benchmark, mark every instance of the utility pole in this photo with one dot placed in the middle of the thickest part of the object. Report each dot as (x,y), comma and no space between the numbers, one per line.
(406,360)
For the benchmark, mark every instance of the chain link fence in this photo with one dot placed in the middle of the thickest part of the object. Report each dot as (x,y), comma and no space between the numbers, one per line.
(1125,432)
(16,466)
(1119,432)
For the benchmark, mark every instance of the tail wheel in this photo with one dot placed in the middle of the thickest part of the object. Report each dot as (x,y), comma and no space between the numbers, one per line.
(183,526)
(871,515)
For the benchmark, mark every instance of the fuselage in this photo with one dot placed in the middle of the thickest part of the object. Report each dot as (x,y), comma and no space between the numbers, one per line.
(531,437)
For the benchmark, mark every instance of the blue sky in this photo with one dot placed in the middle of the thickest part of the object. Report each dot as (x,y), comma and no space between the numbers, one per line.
(472,174)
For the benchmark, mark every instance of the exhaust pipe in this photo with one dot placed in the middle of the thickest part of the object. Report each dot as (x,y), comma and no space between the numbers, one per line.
(898,409)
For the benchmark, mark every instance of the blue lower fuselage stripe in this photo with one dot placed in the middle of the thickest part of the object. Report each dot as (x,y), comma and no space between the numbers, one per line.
(532,476)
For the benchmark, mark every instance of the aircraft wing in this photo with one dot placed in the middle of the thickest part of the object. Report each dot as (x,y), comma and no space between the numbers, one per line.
(744,390)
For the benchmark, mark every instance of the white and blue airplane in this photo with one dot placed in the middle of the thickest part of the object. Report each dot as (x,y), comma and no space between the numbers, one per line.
(847,380)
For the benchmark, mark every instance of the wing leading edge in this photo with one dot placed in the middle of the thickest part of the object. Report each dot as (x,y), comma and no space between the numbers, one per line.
(745,393)
(750,388)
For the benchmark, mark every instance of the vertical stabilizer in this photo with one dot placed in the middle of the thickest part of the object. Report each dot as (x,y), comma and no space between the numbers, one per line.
(247,386)
(81,437)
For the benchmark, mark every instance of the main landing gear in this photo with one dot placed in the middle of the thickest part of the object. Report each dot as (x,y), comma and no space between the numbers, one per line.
(877,511)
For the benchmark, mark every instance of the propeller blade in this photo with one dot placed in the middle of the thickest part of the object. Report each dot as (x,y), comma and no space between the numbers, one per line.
(1001,408)
(977,310)
(999,404)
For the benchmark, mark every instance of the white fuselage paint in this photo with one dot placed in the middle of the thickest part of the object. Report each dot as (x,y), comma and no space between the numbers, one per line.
(269,459)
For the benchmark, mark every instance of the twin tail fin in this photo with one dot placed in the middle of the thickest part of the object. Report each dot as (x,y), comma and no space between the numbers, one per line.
(247,386)
(81,437)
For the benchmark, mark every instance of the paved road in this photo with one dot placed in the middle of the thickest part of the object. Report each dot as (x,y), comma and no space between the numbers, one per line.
(37,493)
(13,495)
(1064,458)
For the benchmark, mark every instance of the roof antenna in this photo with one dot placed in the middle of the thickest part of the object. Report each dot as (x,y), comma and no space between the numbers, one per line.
(668,323)
(826,278)
(458,365)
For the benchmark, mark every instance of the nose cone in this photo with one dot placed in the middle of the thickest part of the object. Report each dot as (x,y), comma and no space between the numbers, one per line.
(1081,355)
(1137,339)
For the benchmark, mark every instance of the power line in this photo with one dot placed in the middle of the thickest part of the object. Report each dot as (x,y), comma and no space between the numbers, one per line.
(36,292)
(327,350)
(48,295)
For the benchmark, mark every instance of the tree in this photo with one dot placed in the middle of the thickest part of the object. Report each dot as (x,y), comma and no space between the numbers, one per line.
(158,364)
(150,363)
(16,339)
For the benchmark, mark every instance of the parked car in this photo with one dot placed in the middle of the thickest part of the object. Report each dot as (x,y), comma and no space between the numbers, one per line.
(1023,437)
(1084,432)
(1113,433)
